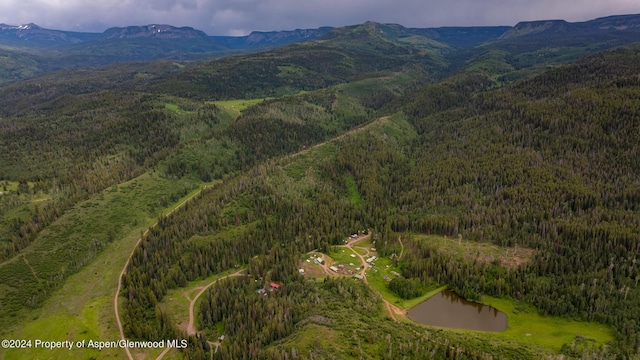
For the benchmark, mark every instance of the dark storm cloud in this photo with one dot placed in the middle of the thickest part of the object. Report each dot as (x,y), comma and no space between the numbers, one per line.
(241,16)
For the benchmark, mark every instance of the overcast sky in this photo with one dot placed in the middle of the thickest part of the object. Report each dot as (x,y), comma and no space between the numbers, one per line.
(239,17)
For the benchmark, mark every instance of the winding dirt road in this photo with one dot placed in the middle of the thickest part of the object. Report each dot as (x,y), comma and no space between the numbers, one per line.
(191,328)
(124,270)
(391,308)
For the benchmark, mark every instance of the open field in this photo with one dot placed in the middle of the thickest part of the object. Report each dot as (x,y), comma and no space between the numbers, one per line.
(525,324)
(482,252)
(237,106)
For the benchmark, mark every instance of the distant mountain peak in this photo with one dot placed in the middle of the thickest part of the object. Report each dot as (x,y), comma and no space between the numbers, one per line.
(610,24)
(33,34)
(29,26)
(153,31)
(539,24)
(618,22)
(273,38)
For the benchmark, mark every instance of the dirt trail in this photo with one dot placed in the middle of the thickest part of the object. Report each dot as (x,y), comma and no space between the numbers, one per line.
(365,265)
(323,266)
(352,131)
(191,328)
(124,270)
(392,309)
(33,272)
(162,354)
(389,310)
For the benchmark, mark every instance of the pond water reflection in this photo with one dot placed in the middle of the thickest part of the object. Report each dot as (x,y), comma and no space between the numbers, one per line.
(447,309)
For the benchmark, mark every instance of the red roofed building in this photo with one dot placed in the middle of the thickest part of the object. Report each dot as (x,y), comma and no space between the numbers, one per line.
(275,285)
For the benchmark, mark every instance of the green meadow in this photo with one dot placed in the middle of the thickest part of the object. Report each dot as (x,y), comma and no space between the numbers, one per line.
(237,106)
(525,324)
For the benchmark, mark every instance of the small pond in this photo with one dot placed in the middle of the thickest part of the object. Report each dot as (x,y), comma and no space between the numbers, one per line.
(447,309)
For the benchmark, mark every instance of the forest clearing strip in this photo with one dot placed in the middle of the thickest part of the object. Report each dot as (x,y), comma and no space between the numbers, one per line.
(33,272)
(341,136)
(124,270)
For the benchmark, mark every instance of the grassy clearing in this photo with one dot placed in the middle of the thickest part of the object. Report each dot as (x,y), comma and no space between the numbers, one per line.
(342,256)
(288,71)
(311,269)
(352,189)
(482,252)
(525,324)
(172,107)
(237,106)
(383,270)
(379,275)
(310,159)
(83,307)
(6,186)
(316,337)
(176,302)
(527,329)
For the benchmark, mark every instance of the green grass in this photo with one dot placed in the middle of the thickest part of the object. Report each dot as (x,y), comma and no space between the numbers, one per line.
(172,107)
(6,186)
(384,267)
(525,324)
(482,252)
(352,189)
(176,302)
(82,308)
(287,71)
(299,165)
(377,282)
(314,336)
(342,255)
(241,104)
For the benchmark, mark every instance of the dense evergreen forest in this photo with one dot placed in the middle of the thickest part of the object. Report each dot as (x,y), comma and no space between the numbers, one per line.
(359,131)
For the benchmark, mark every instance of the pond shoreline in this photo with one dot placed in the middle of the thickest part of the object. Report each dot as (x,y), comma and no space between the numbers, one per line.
(447,309)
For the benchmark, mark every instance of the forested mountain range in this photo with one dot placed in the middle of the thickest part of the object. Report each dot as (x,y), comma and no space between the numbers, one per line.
(29,50)
(521,137)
